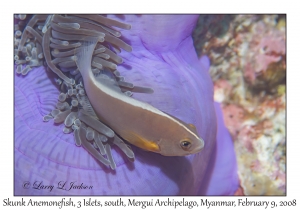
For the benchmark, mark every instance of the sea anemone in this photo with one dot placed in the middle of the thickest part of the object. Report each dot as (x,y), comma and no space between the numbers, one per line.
(163,59)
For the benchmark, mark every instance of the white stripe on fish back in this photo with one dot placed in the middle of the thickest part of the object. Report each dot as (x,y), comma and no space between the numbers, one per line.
(134,102)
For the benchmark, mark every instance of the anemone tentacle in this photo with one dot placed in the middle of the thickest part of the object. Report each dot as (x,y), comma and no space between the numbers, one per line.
(57,39)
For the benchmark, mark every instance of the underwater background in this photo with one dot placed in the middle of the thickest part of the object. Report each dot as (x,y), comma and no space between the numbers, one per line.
(247,56)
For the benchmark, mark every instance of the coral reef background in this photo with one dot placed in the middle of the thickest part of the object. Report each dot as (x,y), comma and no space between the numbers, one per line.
(248,68)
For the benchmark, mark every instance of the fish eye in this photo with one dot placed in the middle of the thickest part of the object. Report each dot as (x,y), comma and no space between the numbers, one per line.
(185,144)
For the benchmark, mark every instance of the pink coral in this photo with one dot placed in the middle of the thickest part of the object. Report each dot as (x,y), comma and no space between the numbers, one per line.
(246,136)
(233,117)
(221,89)
(267,47)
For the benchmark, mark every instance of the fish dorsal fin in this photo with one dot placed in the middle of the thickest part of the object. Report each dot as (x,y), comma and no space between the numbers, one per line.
(190,126)
(110,83)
